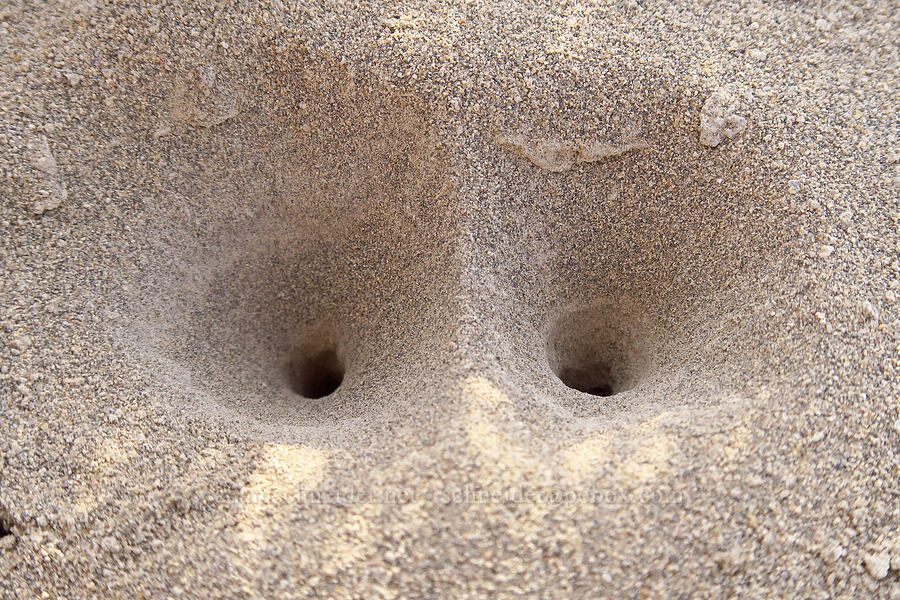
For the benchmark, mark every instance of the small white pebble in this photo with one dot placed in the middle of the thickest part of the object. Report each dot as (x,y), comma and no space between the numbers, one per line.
(832,553)
(162,131)
(110,544)
(846,218)
(817,437)
(868,310)
(757,54)
(878,564)
(21,342)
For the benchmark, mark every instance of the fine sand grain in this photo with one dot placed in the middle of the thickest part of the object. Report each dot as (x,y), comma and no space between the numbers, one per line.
(450,300)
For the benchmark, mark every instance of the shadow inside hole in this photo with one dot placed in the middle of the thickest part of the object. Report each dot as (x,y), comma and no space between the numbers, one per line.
(597,350)
(5,527)
(315,375)
(596,380)
(600,390)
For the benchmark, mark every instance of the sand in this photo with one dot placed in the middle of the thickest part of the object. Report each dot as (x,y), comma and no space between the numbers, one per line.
(449,300)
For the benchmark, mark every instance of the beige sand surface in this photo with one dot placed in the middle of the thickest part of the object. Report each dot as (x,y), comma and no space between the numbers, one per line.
(449,300)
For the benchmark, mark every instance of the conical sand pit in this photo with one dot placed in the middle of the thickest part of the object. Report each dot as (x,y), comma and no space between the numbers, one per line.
(597,350)
(302,264)
(321,257)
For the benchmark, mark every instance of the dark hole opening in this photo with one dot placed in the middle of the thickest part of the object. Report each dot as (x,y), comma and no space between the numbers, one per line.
(315,375)
(5,527)
(600,390)
(595,380)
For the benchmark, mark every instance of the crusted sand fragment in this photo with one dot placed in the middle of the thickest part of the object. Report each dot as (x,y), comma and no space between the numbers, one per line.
(561,155)
(718,121)
(53,190)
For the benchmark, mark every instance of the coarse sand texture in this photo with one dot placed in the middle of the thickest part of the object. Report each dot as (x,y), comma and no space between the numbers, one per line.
(449,300)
